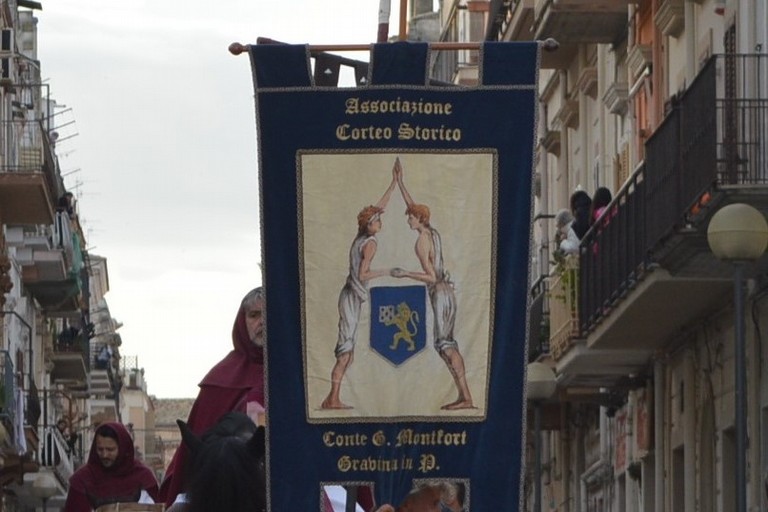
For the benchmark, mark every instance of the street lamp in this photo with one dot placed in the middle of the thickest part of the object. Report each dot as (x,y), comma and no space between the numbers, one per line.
(738,233)
(540,385)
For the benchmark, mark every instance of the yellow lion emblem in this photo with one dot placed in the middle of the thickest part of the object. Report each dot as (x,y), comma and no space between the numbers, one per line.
(404,318)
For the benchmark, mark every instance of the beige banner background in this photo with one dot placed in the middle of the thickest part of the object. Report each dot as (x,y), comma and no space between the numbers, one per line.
(458,188)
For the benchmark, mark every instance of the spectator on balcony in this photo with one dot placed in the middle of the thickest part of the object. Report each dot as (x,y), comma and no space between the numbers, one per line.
(51,454)
(69,437)
(600,202)
(112,473)
(580,208)
(104,357)
(599,216)
(566,240)
(67,204)
(67,337)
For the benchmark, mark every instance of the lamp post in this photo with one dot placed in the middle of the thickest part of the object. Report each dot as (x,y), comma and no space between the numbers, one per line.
(738,233)
(44,488)
(541,383)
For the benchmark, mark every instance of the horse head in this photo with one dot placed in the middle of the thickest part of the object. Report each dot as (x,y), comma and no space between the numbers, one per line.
(227,469)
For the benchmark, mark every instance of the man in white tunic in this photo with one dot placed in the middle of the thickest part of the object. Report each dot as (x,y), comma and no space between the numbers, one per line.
(429,251)
(355,292)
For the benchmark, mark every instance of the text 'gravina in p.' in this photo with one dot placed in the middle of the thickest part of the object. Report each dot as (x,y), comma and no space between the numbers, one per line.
(427,463)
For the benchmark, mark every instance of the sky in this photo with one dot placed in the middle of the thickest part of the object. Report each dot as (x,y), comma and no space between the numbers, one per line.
(158,142)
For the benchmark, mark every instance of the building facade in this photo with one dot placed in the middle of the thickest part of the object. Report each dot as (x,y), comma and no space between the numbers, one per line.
(664,103)
(60,364)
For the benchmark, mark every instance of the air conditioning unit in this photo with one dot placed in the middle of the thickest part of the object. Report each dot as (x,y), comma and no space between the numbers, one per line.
(6,40)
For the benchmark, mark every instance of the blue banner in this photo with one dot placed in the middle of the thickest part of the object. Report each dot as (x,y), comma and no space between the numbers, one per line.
(395,225)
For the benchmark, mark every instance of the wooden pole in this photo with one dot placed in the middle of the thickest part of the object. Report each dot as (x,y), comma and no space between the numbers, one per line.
(385,7)
(403,19)
(549,45)
(238,48)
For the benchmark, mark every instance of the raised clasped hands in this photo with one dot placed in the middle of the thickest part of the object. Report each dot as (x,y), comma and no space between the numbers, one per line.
(397,169)
(397,272)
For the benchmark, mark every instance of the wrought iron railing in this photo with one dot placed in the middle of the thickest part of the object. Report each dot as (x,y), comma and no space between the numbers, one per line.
(742,118)
(8,409)
(75,341)
(500,13)
(716,134)
(57,454)
(538,337)
(614,254)
(27,148)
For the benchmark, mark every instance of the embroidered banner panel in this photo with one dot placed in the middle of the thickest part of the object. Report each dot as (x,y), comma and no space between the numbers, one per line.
(396,224)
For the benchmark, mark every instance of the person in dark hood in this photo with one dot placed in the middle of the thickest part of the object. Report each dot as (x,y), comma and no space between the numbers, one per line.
(581,206)
(111,475)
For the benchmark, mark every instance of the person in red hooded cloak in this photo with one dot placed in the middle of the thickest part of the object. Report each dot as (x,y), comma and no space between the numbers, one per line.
(230,385)
(233,384)
(111,475)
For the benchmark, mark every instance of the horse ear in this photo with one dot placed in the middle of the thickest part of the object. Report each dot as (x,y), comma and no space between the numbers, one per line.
(189,438)
(257,444)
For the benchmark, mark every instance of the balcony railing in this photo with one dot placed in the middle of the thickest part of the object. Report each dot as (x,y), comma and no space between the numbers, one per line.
(563,306)
(57,455)
(538,340)
(715,135)
(582,21)
(71,356)
(8,409)
(614,257)
(49,250)
(510,20)
(27,147)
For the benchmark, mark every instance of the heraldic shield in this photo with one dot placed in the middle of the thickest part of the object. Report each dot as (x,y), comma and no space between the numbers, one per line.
(398,321)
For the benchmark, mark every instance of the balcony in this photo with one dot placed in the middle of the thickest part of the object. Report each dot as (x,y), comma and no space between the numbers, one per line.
(51,261)
(511,20)
(29,180)
(56,456)
(13,452)
(45,252)
(514,21)
(71,359)
(581,21)
(103,410)
(464,24)
(651,253)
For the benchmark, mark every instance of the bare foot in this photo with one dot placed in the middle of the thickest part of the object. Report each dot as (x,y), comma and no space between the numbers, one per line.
(329,403)
(458,404)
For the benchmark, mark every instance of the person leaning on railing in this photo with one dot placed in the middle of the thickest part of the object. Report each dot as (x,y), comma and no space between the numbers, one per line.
(565,238)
